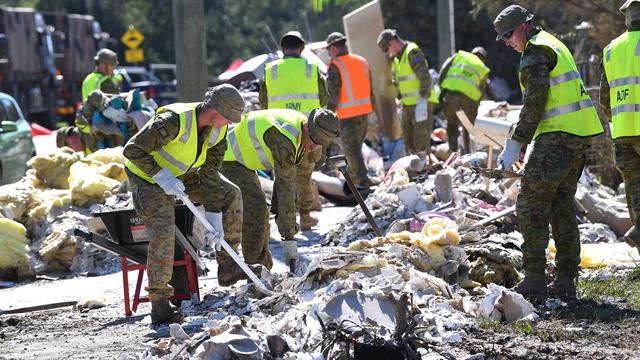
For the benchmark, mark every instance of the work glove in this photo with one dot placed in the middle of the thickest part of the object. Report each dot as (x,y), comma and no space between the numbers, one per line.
(217,236)
(422,110)
(290,251)
(169,183)
(117,115)
(509,155)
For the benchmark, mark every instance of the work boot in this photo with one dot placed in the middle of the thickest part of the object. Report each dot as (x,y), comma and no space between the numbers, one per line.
(163,313)
(230,273)
(307,221)
(632,237)
(533,287)
(563,287)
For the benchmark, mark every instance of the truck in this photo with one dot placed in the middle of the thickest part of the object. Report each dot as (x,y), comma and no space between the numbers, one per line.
(27,65)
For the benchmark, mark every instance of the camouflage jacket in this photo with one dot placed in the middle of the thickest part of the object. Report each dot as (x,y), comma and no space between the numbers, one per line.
(285,160)
(334,86)
(420,66)
(163,128)
(263,96)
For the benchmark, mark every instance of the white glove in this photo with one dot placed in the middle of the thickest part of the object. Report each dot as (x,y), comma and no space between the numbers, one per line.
(422,110)
(290,250)
(169,183)
(215,219)
(509,155)
(117,115)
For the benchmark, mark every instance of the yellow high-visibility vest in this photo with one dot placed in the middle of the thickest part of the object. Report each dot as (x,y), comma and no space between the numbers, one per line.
(622,66)
(406,79)
(434,95)
(245,142)
(94,81)
(292,83)
(465,75)
(179,155)
(568,108)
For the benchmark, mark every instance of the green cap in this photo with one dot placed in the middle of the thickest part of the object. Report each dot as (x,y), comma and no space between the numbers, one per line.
(631,11)
(334,37)
(385,37)
(294,34)
(626,5)
(510,18)
(227,100)
(106,56)
(480,52)
(323,126)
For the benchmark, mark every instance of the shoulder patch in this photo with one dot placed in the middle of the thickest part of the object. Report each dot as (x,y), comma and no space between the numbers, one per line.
(162,130)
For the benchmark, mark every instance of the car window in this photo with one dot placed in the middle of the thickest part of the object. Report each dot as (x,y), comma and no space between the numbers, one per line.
(10,113)
(137,77)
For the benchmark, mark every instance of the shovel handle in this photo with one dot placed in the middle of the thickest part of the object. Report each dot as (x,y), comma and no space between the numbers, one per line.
(203,219)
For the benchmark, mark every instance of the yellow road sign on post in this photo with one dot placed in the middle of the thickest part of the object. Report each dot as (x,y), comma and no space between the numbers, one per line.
(132,38)
(133,55)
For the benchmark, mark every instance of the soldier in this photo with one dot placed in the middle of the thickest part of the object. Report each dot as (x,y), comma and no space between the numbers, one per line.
(463,80)
(293,83)
(620,97)
(274,139)
(559,115)
(183,147)
(411,74)
(351,97)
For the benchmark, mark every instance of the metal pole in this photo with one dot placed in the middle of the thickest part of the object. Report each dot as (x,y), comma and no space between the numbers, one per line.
(446,32)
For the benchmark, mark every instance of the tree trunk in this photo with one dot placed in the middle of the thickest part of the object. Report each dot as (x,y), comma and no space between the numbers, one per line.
(191,49)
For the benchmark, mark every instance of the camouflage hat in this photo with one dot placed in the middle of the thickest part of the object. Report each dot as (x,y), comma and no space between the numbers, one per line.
(106,56)
(480,52)
(227,100)
(626,5)
(64,133)
(385,37)
(323,126)
(509,19)
(631,11)
(294,34)
(334,37)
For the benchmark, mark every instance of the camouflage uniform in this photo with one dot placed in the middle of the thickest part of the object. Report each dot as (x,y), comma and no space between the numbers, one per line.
(453,101)
(156,208)
(417,135)
(352,130)
(97,100)
(627,152)
(255,220)
(551,174)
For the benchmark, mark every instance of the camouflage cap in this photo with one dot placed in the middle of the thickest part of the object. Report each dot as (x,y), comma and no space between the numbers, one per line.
(64,133)
(323,126)
(106,56)
(334,37)
(509,19)
(294,34)
(385,37)
(631,11)
(480,52)
(227,100)
(626,5)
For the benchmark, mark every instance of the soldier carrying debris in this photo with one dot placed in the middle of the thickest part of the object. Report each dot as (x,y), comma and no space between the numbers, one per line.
(620,100)
(274,139)
(560,116)
(182,147)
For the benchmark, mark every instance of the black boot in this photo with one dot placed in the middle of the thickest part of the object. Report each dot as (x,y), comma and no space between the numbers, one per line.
(533,287)
(163,313)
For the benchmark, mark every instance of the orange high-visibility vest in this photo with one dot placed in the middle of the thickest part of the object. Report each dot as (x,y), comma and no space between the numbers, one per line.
(355,93)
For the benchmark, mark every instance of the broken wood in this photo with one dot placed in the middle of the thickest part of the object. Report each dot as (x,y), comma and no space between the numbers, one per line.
(499,215)
(38,307)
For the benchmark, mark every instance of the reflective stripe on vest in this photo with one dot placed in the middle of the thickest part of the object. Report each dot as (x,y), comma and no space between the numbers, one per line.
(568,108)
(94,81)
(246,140)
(465,75)
(355,92)
(406,79)
(622,66)
(292,83)
(179,155)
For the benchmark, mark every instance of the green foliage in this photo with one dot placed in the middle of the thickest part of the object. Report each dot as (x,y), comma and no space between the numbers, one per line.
(625,289)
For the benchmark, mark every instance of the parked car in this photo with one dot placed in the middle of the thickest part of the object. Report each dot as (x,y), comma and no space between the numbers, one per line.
(137,77)
(16,143)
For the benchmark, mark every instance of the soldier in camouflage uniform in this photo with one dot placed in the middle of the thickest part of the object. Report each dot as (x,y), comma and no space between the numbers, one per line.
(352,128)
(416,133)
(561,120)
(453,101)
(292,44)
(285,155)
(626,123)
(153,185)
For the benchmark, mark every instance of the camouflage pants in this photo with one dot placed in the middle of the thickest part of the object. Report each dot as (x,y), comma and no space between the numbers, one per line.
(304,170)
(255,215)
(627,152)
(157,211)
(454,101)
(416,135)
(546,197)
(352,133)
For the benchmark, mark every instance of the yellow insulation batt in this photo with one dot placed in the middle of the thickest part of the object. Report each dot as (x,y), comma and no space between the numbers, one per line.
(52,170)
(13,244)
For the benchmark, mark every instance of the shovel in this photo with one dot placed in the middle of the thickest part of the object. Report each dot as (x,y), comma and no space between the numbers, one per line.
(203,219)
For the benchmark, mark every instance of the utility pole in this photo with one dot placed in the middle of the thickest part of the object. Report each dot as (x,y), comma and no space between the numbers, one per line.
(446,32)
(191,49)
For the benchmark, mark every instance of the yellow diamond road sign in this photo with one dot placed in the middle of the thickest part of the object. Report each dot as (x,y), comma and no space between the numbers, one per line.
(132,38)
